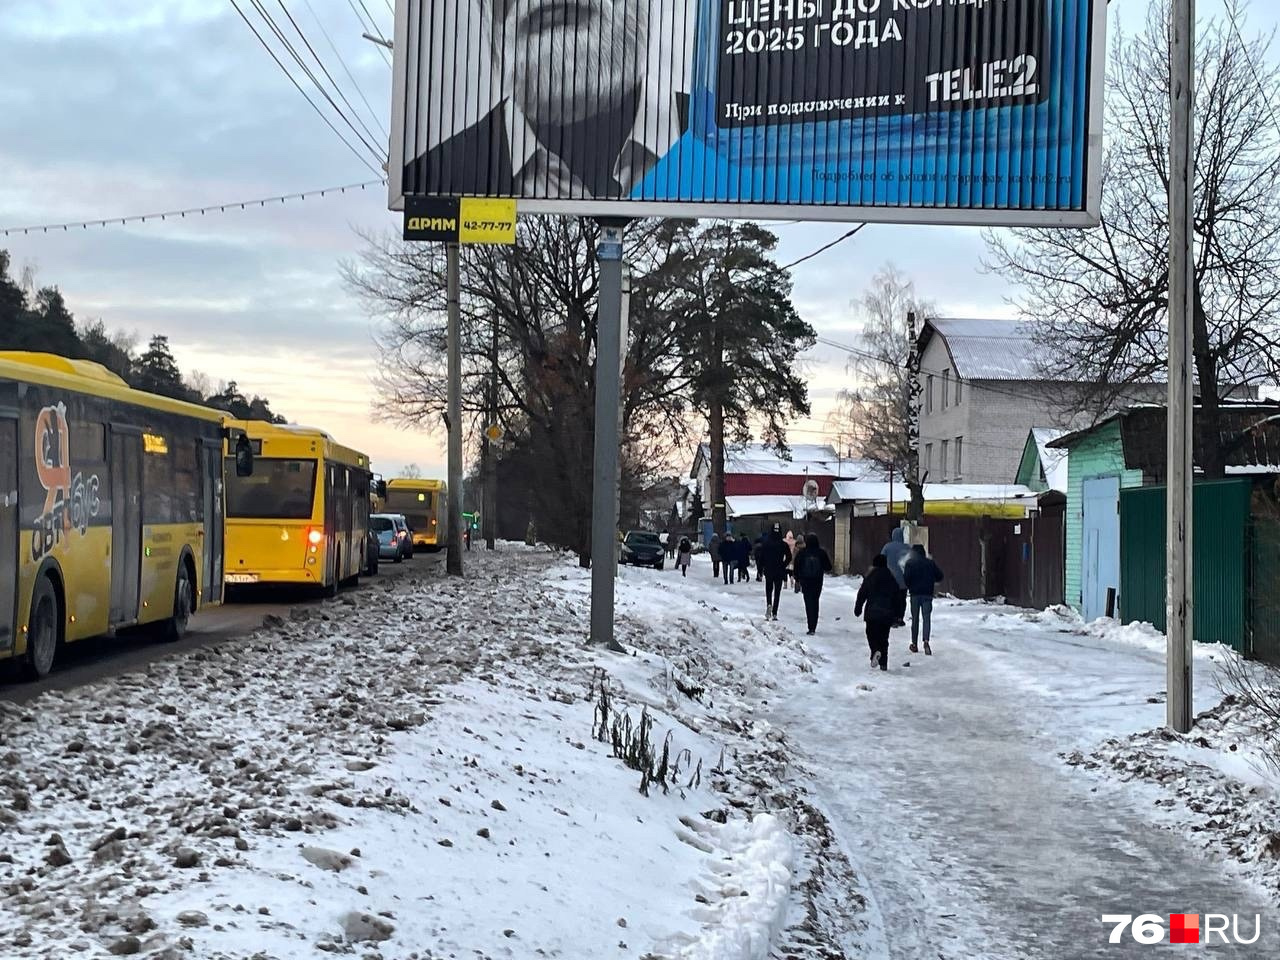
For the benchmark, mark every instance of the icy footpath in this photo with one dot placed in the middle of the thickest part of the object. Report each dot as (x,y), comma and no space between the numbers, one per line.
(442,770)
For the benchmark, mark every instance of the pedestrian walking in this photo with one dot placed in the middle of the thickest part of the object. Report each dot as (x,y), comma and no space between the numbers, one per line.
(744,559)
(728,557)
(757,554)
(713,548)
(811,566)
(775,560)
(878,600)
(895,553)
(922,575)
(685,556)
(790,540)
(668,544)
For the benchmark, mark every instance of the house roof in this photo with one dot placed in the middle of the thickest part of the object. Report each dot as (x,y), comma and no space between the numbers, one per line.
(1252,438)
(1053,460)
(812,459)
(795,507)
(843,491)
(986,349)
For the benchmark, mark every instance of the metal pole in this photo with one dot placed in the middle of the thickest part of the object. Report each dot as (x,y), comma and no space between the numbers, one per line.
(489,506)
(604,494)
(1181,258)
(453,561)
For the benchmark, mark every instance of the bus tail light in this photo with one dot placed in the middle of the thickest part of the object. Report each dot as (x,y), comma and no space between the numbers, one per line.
(314,536)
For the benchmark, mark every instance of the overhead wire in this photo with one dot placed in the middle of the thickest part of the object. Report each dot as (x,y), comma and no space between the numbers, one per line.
(825,247)
(260,6)
(346,69)
(320,113)
(188,211)
(370,27)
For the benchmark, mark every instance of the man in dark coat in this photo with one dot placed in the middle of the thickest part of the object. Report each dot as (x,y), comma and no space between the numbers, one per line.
(774,559)
(811,565)
(878,597)
(895,553)
(713,548)
(757,555)
(921,575)
(729,557)
(743,544)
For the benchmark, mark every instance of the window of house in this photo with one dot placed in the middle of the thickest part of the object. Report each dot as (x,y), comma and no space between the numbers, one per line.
(946,388)
(959,392)
(928,394)
(942,472)
(928,458)
(959,457)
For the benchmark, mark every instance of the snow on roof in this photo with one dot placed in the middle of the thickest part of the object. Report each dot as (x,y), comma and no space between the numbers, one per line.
(797,507)
(874,492)
(990,349)
(813,459)
(1052,459)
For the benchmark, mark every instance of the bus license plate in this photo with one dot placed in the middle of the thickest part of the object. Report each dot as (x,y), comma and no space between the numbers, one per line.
(241,578)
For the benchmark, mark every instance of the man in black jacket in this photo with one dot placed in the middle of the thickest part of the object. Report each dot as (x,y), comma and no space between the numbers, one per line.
(811,565)
(878,597)
(773,559)
(921,575)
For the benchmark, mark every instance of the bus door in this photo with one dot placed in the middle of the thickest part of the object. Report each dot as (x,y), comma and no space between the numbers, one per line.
(331,524)
(8,530)
(126,523)
(214,526)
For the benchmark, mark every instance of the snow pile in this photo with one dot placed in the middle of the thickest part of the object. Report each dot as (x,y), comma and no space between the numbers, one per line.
(1211,783)
(424,773)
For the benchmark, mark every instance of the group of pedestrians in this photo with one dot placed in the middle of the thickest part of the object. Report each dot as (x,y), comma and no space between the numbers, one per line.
(899,575)
(731,558)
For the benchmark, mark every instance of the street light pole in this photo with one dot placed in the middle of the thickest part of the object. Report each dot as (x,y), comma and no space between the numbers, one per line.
(1181,468)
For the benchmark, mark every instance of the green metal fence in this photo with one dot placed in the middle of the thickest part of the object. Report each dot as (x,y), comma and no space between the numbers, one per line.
(1264,590)
(1221,545)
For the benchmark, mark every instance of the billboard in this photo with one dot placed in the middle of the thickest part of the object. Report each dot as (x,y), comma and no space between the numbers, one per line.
(924,111)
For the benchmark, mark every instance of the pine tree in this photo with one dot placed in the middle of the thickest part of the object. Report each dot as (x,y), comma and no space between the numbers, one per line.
(157,372)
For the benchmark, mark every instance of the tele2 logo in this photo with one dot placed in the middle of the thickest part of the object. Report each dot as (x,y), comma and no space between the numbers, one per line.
(1183,928)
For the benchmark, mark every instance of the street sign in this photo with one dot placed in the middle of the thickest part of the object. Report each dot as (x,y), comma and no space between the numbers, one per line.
(494,433)
(465,220)
(921,111)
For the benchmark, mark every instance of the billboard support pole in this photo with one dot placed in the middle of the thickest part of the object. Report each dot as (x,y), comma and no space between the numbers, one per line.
(453,560)
(604,492)
(1181,396)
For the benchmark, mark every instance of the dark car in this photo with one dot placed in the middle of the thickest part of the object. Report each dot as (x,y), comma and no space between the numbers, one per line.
(643,549)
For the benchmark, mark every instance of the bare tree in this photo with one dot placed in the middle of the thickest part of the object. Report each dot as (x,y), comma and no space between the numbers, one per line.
(876,412)
(1099,298)
(529,317)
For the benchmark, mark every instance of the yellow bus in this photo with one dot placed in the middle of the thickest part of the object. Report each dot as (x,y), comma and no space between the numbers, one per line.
(302,517)
(111,509)
(424,504)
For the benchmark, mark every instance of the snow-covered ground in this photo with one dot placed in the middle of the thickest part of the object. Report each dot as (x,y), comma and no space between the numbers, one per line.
(447,770)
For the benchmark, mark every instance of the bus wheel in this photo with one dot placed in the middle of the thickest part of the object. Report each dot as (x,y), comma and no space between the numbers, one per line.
(330,589)
(175,628)
(42,635)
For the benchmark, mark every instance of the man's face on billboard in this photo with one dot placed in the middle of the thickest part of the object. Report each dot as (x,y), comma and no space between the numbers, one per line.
(567,60)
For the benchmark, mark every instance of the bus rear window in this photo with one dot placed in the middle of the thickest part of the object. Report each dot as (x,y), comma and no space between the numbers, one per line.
(278,490)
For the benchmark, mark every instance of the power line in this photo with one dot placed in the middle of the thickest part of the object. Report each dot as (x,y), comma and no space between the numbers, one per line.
(371,27)
(341,60)
(267,18)
(167,214)
(320,113)
(823,249)
(329,76)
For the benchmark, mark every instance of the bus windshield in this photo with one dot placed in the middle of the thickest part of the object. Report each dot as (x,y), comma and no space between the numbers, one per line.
(278,490)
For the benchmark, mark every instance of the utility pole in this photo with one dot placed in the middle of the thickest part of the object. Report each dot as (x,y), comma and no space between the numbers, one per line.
(489,506)
(1181,398)
(453,560)
(604,493)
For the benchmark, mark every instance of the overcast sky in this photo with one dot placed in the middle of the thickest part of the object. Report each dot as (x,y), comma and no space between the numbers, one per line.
(129,106)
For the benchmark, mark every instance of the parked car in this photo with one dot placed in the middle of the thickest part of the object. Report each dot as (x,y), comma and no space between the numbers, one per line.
(395,542)
(641,548)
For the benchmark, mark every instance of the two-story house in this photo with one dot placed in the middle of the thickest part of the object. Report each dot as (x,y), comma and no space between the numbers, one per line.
(982,394)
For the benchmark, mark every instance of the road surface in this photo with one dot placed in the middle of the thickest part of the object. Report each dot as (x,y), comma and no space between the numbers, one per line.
(90,660)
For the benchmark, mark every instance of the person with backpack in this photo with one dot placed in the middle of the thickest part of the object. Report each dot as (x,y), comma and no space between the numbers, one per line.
(878,598)
(713,548)
(684,556)
(922,575)
(895,553)
(774,561)
(729,557)
(811,565)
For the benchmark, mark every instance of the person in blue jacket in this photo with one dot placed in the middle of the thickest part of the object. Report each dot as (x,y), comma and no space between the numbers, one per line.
(921,575)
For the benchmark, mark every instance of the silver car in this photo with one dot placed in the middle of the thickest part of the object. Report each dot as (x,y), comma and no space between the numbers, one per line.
(395,542)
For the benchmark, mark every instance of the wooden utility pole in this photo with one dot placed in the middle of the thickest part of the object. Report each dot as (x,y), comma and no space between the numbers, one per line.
(1181,398)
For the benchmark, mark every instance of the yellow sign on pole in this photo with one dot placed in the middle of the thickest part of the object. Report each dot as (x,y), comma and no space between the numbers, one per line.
(494,433)
(485,220)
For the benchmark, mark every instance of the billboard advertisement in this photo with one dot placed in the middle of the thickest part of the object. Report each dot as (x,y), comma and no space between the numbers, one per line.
(925,111)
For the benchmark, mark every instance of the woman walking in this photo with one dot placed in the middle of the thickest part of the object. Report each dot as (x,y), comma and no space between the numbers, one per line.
(685,556)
